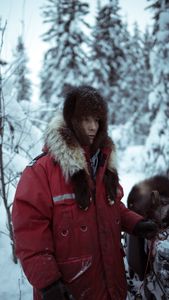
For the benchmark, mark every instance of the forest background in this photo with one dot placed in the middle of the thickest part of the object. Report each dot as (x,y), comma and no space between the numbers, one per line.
(130,69)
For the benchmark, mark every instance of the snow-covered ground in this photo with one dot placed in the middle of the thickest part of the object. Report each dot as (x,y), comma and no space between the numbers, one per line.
(13,284)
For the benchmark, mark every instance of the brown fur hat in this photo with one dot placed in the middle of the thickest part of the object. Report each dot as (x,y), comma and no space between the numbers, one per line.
(85,101)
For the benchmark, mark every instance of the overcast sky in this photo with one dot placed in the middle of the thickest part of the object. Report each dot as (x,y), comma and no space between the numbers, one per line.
(14,11)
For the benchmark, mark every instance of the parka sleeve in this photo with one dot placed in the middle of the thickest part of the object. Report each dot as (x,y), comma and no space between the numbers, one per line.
(128,218)
(32,226)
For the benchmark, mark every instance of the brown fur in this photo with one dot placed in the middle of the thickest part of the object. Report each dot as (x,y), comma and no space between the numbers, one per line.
(80,181)
(111,180)
(140,199)
(68,137)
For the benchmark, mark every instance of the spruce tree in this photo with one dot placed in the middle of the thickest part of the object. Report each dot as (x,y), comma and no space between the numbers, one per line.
(157,154)
(21,81)
(107,55)
(136,72)
(141,118)
(123,105)
(135,85)
(66,59)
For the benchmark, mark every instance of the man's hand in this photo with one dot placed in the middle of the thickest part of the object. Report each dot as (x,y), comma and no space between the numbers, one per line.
(56,291)
(146,229)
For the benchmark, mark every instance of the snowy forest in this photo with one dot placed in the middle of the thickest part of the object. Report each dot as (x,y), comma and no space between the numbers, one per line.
(131,71)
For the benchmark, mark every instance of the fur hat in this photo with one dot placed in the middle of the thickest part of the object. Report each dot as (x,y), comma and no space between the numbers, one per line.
(81,102)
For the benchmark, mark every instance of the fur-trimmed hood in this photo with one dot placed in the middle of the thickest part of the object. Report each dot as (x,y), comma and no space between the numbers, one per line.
(65,149)
(81,102)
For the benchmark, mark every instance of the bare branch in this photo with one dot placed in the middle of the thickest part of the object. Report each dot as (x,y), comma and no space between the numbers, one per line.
(2,29)
(2,232)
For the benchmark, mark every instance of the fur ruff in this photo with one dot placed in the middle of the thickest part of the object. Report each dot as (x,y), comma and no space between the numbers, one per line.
(65,149)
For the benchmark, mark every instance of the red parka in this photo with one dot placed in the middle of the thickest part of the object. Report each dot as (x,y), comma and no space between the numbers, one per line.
(54,238)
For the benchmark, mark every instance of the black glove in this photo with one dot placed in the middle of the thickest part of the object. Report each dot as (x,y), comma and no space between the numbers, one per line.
(56,291)
(146,229)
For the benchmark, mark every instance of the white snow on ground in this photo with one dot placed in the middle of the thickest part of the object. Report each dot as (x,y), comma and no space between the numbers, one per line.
(13,284)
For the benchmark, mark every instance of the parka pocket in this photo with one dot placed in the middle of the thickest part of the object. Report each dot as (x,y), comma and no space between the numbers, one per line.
(74,268)
(64,211)
(77,275)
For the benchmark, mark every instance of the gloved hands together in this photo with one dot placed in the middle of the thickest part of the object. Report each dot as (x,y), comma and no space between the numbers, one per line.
(56,291)
(146,229)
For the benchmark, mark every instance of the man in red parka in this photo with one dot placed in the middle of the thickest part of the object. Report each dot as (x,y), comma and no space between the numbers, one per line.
(67,213)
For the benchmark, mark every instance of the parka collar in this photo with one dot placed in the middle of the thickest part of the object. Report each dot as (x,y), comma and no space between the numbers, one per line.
(64,148)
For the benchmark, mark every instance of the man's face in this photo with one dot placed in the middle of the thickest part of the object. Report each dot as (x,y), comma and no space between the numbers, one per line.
(90,125)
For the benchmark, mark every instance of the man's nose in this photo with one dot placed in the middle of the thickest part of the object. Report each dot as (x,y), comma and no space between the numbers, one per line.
(93,125)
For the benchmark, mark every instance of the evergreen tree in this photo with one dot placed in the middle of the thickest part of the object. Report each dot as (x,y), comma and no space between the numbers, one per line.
(107,55)
(21,81)
(147,47)
(135,85)
(136,71)
(141,119)
(123,105)
(157,154)
(65,60)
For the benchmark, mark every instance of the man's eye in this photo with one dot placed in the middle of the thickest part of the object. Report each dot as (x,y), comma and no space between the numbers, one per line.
(86,119)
